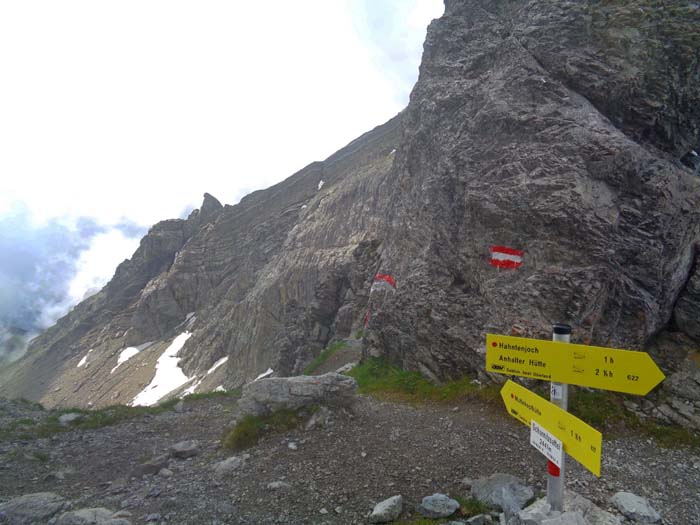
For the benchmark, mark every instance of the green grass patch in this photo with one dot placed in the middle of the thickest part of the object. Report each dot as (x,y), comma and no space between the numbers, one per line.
(377,377)
(90,419)
(250,429)
(245,434)
(601,410)
(670,436)
(41,457)
(323,356)
(472,507)
(606,411)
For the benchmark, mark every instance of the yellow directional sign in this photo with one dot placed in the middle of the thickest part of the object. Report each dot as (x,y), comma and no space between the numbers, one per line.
(581,441)
(591,366)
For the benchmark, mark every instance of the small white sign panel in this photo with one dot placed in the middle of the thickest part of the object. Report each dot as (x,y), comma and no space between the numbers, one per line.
(556,392)
(546,443)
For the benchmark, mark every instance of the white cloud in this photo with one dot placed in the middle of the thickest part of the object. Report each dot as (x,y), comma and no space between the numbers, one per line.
(136,108)
(132,110)
(94,268)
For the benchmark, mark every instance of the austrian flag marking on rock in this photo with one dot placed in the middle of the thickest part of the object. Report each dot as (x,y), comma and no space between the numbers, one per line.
(504,257)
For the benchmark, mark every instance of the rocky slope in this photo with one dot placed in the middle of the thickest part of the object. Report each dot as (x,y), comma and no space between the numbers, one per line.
(331,473)
(555,127)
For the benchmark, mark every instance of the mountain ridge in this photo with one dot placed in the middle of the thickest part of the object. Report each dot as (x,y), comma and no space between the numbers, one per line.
(552,127)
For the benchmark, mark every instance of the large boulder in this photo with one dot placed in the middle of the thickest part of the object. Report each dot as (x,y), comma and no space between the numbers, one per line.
(503,491)
(267,395)
(31,508)
(96,516)
(438,506)
(635,507)
(574,503)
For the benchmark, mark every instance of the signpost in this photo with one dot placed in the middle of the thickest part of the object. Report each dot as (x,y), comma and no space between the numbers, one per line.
(592,366)
(552,428)
(581,441)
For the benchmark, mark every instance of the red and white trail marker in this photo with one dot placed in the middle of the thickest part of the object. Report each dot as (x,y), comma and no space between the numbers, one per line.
(383,281)
(504,257)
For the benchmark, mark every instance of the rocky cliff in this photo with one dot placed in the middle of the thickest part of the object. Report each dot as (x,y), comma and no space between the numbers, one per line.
(553,127)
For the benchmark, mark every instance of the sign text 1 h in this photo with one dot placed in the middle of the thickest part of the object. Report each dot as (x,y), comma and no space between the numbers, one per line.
(592,366)
(581,441)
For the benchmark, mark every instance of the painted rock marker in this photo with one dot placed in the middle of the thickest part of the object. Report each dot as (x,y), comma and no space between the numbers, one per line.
(592,366)
(581,441)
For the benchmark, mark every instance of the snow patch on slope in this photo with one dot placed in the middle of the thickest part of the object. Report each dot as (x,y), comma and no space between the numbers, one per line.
(128,353)
(168,377)
(264,374)
(83,361)
(217,364)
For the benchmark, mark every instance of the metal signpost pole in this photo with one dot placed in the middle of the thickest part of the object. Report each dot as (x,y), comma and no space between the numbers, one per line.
(559,395)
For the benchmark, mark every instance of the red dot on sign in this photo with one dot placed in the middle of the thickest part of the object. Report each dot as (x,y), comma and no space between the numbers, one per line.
(494,343)
(512,396)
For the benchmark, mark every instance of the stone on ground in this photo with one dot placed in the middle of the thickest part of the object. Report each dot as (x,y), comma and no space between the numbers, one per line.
(438,506)
(185,449)
(387,510)
(97,516)
(32,508)
(278,485)
(222,468)
(567,518)
(503,491)
(573,502)
(274,393)
(635,507)
(153,466)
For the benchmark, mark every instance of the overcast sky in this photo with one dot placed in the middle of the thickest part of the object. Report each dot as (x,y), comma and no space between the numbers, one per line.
(115,115)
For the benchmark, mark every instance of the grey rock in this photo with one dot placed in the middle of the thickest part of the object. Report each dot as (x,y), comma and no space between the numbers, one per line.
(573,502)
(32,508)
(438,506)
(179,407)
(278,485)
(66,419)
(185,449)
(480,519)
(155,516)
(503,491)
(275,393)
(567,518)
(346,368)
(153,466)
(320,419)
(687,309)
(225,467)
(387,510)
(635,507)
(96,516)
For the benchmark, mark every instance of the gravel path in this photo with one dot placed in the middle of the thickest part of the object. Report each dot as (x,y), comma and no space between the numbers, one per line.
(330,475)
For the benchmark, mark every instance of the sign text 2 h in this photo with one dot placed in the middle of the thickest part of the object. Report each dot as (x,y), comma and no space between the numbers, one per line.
(592,366)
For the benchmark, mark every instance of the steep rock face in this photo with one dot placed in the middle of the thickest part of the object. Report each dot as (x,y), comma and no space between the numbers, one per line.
(555,127)
(539,126)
